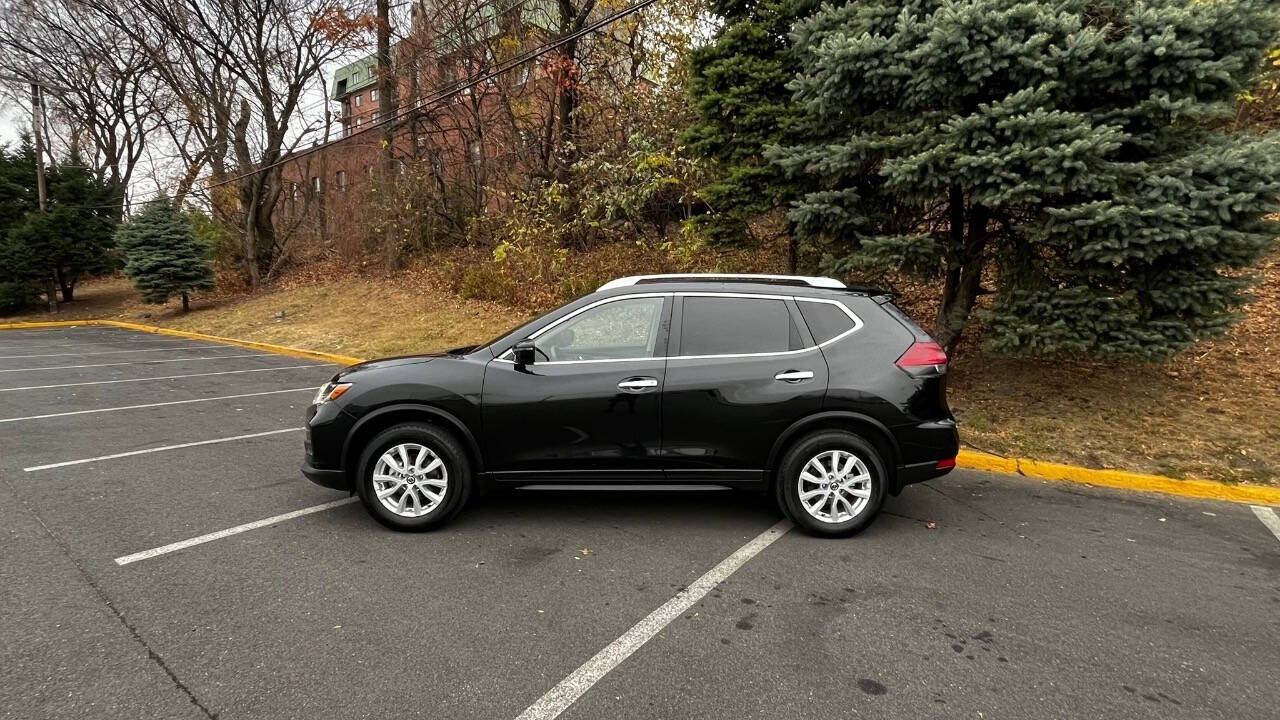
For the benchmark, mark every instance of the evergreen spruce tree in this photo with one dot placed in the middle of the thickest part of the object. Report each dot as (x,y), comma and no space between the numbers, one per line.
(1072,151)
(69,239)
(739,86)
(162,255)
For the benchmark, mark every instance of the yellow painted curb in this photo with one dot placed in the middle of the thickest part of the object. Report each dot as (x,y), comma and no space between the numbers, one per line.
(278,349)
(1207,489)
(46,324)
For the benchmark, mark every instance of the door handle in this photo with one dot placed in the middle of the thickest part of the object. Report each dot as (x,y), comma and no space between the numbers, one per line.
(794,376)
(638,384)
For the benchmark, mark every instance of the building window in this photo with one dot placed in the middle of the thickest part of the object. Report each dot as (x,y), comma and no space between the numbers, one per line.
(342,181)
(368,171)
(359,99)
(359,121)
(373,95)
(317,183)
(475,149)
(399,167)
(522,74)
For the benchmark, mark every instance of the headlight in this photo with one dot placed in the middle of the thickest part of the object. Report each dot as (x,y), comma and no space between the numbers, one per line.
(330,391)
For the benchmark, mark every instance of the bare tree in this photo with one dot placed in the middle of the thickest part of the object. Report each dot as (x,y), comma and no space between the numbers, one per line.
(97,85)
(239,70)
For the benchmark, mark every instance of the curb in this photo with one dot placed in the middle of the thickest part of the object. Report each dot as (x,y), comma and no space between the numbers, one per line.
(967,459)
(1203,489)
(251,344)
(47,324)
(278,349)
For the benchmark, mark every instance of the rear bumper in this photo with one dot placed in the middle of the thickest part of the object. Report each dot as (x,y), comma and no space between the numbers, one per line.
(928,450)
(919,472)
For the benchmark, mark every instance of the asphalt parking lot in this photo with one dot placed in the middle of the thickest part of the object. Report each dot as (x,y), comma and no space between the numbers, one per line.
(977,595)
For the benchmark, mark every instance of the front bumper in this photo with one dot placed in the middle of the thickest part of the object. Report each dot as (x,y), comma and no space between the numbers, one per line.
(327,429)
(334,479)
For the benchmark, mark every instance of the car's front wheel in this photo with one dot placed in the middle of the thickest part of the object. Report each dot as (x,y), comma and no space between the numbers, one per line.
(414,477)
(831,483)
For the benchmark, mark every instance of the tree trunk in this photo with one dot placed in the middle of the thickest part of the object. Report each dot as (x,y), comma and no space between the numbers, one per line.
(51,289)
(793,254)
(68,284)
(186,303)
(386,112)
(964,270)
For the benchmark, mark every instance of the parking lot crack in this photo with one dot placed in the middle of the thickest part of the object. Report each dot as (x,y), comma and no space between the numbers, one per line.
(106,600)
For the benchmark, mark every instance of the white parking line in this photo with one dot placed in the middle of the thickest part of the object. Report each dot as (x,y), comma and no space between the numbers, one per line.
(1268,518)
(183,544)
(162,448)
(559,698)
(156,404)
(161,377)
(133,362)
(111,352)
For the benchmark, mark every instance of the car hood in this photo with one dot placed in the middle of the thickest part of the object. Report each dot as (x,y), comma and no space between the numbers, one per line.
(385,363)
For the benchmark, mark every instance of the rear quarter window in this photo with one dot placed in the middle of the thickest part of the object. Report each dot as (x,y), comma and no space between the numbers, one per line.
(825,320)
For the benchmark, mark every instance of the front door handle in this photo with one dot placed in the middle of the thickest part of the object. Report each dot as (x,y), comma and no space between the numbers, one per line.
(794,376)
(638,384)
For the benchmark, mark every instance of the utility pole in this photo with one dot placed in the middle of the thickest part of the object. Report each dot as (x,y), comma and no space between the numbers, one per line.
(37,125)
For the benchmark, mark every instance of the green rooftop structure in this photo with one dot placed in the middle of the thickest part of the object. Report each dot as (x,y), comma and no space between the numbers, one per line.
(354,76)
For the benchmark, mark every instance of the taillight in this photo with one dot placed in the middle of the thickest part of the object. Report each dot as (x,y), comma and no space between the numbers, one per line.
(924,358)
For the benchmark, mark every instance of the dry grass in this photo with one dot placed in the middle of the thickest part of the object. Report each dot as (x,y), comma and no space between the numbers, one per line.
(1214,412)
(357,316)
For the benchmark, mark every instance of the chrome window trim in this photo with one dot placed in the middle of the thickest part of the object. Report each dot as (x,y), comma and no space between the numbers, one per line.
(857,325)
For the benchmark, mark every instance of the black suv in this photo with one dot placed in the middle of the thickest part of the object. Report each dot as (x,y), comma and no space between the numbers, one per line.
(827,396)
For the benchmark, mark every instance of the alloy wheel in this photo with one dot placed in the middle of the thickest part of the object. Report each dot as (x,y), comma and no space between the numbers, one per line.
(410,480)
(834,486)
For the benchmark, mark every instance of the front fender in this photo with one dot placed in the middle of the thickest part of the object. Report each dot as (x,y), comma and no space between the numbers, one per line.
(404,412)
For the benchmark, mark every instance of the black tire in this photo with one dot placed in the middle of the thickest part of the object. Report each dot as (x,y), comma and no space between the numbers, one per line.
(787,488)
(452,456)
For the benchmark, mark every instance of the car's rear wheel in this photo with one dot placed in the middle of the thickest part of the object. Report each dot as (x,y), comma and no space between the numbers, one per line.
(414,477)
(831,483)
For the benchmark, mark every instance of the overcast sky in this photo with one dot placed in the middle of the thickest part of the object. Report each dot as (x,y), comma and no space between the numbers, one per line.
(11,121)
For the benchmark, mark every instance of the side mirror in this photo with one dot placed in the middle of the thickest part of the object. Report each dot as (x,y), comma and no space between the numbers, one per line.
(523,352)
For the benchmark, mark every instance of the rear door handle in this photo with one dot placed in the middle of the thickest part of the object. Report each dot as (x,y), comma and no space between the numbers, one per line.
(638,384)
(794,376)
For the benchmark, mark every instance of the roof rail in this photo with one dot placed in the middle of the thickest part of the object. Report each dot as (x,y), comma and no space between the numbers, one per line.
(805,280)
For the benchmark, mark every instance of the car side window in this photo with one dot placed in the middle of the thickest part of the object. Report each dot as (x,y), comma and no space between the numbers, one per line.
(736,326)
(616,330)
(825,320)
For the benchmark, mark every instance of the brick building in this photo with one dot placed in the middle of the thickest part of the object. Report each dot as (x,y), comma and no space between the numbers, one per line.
(458,155)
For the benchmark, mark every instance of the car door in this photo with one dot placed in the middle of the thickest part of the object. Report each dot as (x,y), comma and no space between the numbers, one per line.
(588,407)
(742,369)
